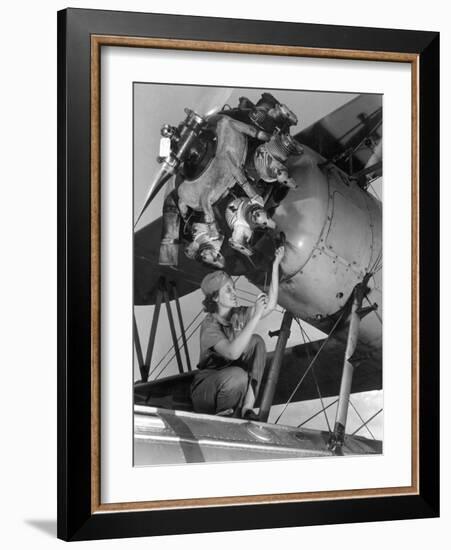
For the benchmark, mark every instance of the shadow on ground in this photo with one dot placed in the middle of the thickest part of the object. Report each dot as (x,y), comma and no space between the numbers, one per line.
(47,526)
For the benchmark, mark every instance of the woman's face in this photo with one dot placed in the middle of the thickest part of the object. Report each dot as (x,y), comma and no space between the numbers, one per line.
(227,295)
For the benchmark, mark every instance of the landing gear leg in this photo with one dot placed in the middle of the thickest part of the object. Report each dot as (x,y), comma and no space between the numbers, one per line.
(274,369)
(336,439)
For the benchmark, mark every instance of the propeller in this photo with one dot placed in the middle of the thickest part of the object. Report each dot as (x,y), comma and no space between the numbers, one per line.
(163,176)
(181,138)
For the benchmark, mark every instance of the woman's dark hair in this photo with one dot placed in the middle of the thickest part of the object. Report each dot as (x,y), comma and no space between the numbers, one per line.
(210,302)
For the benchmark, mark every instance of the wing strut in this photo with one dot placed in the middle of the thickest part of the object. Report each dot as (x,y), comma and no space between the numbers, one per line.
(336,439)
(181,325)
(163,294)
(274,369)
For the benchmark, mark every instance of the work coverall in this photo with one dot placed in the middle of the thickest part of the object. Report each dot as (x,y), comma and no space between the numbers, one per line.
(221,384)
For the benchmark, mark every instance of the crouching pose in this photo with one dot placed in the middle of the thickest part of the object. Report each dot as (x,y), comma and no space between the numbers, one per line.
(232,357)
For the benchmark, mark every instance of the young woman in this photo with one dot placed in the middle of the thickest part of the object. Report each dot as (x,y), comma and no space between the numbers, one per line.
(232,357)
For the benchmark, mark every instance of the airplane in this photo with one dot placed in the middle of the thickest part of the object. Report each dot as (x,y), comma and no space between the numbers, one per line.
(331,275)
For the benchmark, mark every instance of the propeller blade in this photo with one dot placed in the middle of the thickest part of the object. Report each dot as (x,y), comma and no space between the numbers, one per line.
(162,177)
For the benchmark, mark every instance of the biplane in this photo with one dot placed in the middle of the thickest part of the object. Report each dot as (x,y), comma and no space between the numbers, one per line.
(330,220)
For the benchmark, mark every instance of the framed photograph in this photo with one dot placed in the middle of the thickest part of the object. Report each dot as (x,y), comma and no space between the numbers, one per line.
(233,351)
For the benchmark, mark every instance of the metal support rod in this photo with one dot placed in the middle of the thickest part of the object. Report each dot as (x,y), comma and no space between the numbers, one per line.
(172,327)
(139,352)
(337,438)
(153,332)
(274,369)
(182,326)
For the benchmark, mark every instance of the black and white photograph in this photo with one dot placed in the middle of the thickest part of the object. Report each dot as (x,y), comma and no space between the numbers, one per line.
(257,274)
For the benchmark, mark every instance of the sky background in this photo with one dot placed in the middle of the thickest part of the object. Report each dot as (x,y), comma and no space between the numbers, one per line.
(159,104)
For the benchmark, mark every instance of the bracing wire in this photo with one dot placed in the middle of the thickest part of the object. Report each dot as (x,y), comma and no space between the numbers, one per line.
(361,419)
(367,421)
(317,413)
(173,355)
(376,264)
(304,336)
(172,347)
(310,366)
(378,268)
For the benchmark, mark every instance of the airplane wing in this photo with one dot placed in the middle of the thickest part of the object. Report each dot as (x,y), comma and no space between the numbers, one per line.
(173,392)
(348,136)
(147,271)
(325,373)
(180,437)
